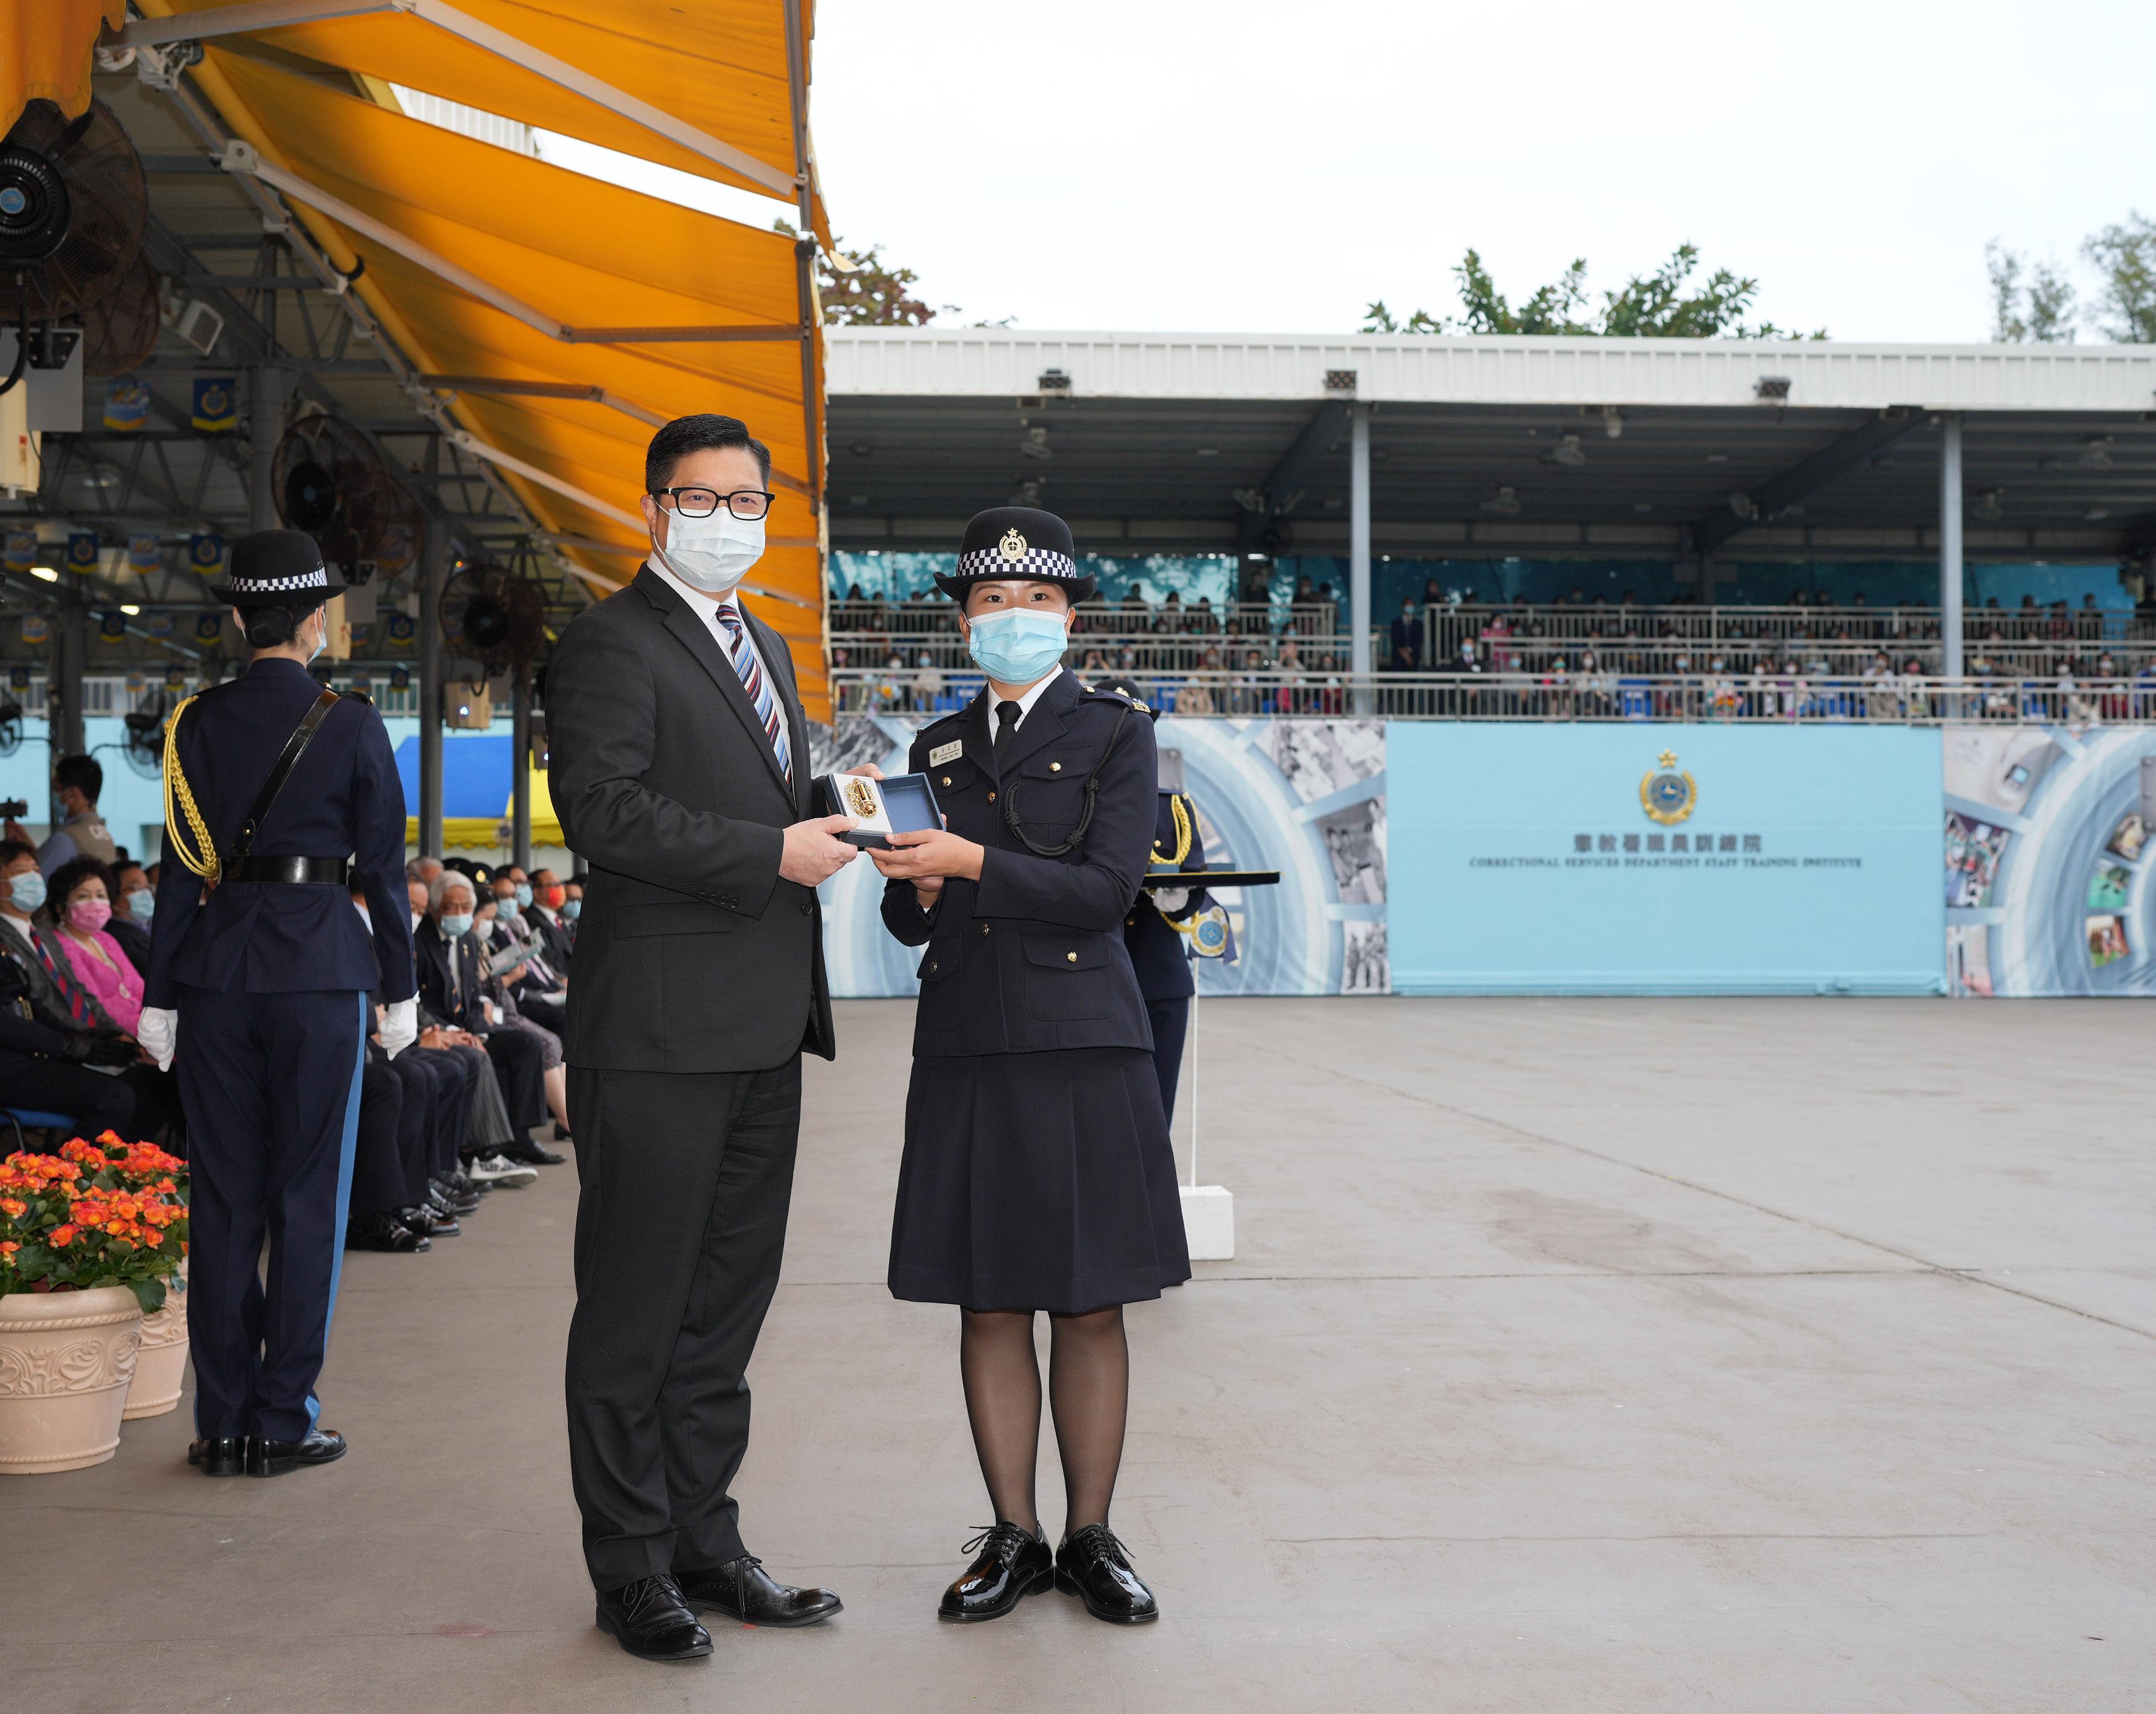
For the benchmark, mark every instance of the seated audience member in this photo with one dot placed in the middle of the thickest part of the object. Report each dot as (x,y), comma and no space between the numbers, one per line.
(572,905)
(53,1035)
(507,971)
(451,968)
(548,896)
(79,907)
(133,900)
(540,993)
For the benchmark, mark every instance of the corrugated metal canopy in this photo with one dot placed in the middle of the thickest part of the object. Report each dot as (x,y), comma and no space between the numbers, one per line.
(417,205)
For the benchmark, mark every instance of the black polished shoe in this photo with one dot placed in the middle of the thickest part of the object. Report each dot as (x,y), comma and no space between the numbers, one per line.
(460,1183)
(218,1455)
(1096,1567)
(532,1154)
(430,1221)
(648,1618)
(384,1232)
(746,1592)
(1014,1563)
(280,1458)
(444,1200)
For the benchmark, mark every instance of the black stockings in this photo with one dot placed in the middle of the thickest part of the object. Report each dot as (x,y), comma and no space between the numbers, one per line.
(1089,1384)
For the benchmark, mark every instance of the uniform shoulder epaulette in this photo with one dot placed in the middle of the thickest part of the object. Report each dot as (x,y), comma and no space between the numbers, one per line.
(1102,693)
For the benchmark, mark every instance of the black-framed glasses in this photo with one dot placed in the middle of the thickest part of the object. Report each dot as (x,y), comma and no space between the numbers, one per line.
(748,503)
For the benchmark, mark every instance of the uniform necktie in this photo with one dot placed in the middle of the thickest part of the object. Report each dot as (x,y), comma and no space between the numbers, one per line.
(758,687)
(77,1004)
(1006,714)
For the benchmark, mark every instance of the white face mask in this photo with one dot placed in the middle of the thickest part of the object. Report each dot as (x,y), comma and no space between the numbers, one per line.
(711,554)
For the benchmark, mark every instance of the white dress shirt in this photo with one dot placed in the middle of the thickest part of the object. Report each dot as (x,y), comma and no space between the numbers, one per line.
(1024,702)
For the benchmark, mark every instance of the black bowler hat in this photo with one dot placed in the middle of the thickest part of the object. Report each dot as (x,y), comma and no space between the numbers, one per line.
(1016,542)
(278,568)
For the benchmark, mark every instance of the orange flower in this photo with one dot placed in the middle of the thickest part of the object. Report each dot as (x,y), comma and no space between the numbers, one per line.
(64,1235)
(8,1246)
(13,1206)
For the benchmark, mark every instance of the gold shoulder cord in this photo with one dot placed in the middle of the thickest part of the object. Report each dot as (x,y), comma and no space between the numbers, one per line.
(203,858)
(1181,834)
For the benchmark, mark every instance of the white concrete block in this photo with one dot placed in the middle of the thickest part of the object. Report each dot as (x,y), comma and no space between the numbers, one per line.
(1208,1222)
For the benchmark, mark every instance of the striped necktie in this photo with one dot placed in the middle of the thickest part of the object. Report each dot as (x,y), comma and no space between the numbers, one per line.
(78,1003)
(743,656)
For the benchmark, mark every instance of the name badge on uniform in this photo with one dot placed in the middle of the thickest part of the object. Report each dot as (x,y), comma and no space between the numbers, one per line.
(946,752)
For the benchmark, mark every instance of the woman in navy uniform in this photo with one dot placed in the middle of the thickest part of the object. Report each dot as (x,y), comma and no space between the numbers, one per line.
(260,973)
(1037,1174)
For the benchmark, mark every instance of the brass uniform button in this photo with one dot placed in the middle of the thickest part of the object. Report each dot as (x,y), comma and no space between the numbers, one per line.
(947,779)
(1056,767)
(984,928)
(992,797)
(932,970)
(1072,956)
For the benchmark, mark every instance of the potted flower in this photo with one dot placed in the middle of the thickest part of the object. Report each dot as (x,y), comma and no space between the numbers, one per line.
(87,1239)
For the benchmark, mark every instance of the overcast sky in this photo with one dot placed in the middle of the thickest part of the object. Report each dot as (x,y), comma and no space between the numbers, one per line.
(1262,166)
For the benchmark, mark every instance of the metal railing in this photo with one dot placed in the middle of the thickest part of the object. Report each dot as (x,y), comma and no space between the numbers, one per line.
(1758,699)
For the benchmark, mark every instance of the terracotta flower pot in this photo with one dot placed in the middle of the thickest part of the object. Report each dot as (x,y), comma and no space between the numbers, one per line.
(65,1360)
(161,1363)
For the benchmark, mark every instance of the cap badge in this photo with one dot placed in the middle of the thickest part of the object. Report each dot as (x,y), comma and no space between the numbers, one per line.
(1012,547)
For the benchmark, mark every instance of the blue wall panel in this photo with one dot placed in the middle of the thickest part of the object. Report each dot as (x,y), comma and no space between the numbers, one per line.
(1821,873)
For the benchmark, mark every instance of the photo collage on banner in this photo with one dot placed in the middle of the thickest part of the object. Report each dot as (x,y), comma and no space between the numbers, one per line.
(2047,834)
(1304,797)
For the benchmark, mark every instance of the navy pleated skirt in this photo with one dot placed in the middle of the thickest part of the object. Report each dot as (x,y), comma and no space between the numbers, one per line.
(1037,1181)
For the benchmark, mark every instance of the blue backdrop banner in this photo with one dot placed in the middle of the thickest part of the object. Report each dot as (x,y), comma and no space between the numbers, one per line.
(1650,858)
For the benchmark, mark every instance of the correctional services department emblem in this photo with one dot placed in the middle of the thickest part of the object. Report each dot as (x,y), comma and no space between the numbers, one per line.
(1012,547)
(1667,796)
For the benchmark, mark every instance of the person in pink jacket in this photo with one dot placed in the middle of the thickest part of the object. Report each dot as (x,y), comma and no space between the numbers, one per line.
(81,906)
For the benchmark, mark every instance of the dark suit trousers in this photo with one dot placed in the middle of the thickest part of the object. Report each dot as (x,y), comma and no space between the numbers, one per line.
(93,1100)
(378,1161)
(519,1063)
(681,1225)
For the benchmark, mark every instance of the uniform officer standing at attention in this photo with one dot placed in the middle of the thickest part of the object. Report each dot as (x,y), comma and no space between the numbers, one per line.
(278,793)
(1037,1174)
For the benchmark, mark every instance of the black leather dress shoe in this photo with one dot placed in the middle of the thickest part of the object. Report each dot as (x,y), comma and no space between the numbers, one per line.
(279,1458)
(384,1232)
(1096,1567)
(218,1455)
(1014,1563)
(532,1154)
(445,1199)
(648,1618)
(430,1222)
(745,1591)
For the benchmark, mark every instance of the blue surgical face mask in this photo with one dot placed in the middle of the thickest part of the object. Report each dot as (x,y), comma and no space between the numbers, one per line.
(141,904)
(504,909)
(1018,646)
(572,909)
(28,890)
(453,925)
(523,895)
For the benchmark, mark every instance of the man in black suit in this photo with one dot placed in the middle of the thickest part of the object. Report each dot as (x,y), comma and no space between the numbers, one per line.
(680,771)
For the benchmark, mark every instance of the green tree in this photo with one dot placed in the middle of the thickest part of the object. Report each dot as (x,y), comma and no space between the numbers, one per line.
(1663,304)
(2124,256)
(868,291)
(2039,310)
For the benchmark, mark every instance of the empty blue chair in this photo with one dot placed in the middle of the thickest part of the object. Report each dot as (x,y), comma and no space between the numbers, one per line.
(20,1119)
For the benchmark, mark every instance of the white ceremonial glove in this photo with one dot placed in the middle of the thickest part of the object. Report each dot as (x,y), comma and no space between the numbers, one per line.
(158,1030)
(1170,899)
(400,1026)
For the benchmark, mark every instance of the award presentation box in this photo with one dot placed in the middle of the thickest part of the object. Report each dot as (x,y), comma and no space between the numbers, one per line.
(902,804)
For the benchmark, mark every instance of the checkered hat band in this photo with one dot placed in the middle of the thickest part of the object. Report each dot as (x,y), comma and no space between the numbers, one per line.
(1035,562)
(318,578)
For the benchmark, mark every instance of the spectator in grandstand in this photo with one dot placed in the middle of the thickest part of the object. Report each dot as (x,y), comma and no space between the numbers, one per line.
(928,682)
(1291,698)
(77,780)
(1095,668)
(1405,655)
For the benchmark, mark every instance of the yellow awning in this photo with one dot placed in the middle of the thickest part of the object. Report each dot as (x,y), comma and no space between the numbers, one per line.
(44,51)
(478,831)
(575,254)
(717,68)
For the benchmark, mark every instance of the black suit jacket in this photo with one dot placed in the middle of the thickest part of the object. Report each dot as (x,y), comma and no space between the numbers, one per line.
(455,1003)
(692,953)
(1031,956)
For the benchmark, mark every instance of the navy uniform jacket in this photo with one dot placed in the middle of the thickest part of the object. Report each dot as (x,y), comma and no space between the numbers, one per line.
(1031,956)
(1161,955)
(343,799)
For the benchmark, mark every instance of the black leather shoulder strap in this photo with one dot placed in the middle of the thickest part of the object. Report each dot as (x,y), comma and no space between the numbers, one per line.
(302,736)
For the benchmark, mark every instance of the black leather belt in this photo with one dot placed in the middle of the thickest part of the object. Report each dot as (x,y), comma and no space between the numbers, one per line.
(295,871)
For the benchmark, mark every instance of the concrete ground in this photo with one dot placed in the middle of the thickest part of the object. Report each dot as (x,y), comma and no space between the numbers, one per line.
(1585,1356)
